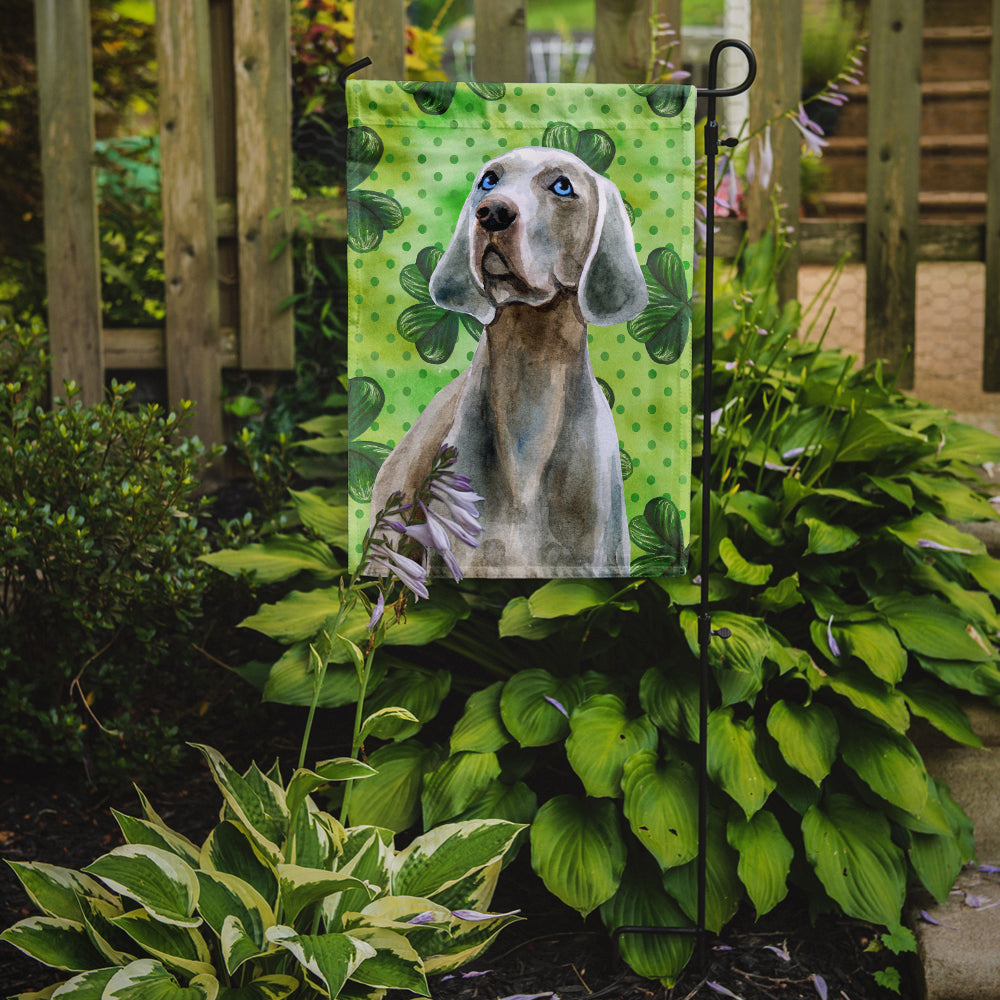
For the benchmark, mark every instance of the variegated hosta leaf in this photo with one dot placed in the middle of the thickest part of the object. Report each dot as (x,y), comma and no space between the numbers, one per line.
(481,727)
(149,980)
(54,941)
(315,839)
(275,987)
(98,915)
(807,735)
(158,880)
(301,887)
(329,959)
(56,891)
(851,849)
(456,784)
(642,902)
(230,849)
(723,889)
(367,853)
(732,760)
(225,897)
(475,891)
(87,986)
(304,782)
(661,806)
(441,857)
(257,802)
(602,738)
(177,947)
(578,851)
(142,831)
(765,858)
(467,940)
(395,964)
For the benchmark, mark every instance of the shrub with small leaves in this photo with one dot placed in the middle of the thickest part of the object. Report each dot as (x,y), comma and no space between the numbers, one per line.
(99,574)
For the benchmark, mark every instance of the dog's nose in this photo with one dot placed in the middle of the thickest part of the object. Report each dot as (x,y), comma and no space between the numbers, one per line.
(495,216)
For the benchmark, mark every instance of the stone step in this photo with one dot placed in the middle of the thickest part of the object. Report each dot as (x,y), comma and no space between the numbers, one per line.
(956,53)
(947,163)
(944,103)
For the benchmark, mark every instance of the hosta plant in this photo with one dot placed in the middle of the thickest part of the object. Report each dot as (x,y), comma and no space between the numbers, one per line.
(279,900)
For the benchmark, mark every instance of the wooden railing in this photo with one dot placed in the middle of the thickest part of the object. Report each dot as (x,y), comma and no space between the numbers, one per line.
(226,160)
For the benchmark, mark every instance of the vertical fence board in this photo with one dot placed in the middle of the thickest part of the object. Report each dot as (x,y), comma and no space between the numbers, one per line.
(261,56)
(991,332)
(501,41)
(776,35)
(72,256)
(893,183)
(190,254)
(380,34)
(622,40)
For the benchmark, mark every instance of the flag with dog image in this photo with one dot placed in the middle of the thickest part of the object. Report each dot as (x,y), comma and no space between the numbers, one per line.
(520,269)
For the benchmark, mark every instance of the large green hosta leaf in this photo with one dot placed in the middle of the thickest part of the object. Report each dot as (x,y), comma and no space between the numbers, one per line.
(456,784)
(850,848)
(642,902)
(661,799)
(888,763)
(578,851)
(535,706)
(56,891)
(765,858)
(330,959)
(732,760)
(280,557)
(481,728)
(738,661)
(55,941)
(671,700)
(807,736)
(391,798)
(932,628)
(149,980)
(602,738)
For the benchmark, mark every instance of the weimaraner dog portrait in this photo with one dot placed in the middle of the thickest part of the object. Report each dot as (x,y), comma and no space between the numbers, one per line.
(542,248)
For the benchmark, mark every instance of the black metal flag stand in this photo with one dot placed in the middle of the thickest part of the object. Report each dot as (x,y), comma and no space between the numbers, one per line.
(705,631)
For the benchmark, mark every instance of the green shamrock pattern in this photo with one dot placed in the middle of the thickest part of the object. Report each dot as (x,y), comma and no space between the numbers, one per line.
(414,151)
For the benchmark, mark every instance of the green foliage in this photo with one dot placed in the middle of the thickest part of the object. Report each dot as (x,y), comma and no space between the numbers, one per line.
(101,587)
(280,899)
(853,601)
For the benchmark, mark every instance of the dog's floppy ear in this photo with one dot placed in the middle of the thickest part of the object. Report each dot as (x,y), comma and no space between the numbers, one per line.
(452,285)
(612,289)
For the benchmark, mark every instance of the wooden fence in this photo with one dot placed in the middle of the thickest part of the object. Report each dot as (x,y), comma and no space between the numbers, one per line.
(226,161)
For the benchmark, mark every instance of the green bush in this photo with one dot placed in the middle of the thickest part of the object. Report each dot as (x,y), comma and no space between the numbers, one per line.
(101,584)
(854,604)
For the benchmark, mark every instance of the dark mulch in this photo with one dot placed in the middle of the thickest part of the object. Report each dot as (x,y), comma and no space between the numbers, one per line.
(551,951)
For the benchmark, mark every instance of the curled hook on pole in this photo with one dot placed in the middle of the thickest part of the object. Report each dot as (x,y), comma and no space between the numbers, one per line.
(353,68)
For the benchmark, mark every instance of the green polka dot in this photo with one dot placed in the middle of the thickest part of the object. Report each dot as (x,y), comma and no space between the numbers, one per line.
(651,408)
(682,445)
(605,109)
(534,109)
(667,462)
(636,427)
(667,427)
(374,357)
(619,409)
(668,390)
(620,373)
(502,108)
(605,355)
(634,498)
(636,391)
(438,140)
(651,480)
(374,317)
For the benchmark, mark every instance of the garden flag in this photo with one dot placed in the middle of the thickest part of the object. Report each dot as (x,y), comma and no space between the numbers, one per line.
(520,270)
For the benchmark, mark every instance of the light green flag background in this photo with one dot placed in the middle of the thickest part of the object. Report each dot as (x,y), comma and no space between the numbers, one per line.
(414,150)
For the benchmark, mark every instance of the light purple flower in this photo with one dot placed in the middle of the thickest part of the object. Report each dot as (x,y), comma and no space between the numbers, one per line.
(834,648)
(427,917)
(760,166)
(383,560)
(377,612)
(780,952)
(820,983)
(927,543)
(558,705)
(719,988)
(812,134)
(475,915)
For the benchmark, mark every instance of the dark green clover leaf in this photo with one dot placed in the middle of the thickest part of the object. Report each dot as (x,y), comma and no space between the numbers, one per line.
(626,460)
(664,324)
(432,329)
(365,458)
(435,97)
(595,147)
(659,532)
(664,99)
(369,213)
(364,150)
(365,399)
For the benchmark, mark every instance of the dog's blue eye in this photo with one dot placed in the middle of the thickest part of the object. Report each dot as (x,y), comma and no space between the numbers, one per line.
(489,181)
(562,187)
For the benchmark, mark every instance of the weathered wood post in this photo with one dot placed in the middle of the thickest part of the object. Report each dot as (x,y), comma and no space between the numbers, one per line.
(893,183)
(991,333)
(72,255)
(623,39)
(776,35)
(380,34)
(501,41)
(190,250)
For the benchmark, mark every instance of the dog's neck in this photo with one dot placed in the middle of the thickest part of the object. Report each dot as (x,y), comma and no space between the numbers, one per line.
(539,366)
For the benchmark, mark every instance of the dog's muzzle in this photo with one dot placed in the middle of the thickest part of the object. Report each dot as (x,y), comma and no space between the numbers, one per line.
(495,216)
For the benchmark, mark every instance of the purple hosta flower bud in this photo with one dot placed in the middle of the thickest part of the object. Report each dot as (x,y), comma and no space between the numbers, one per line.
(820,984)
(927,543)
(780,952)
(719,988)
(377,612)
(427,917)
(383,560)
(831,642)
(475,915)
(760,166)
(557,704)
(811,132)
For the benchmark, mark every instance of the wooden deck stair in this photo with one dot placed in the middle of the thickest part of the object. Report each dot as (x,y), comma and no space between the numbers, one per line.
(954,121)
